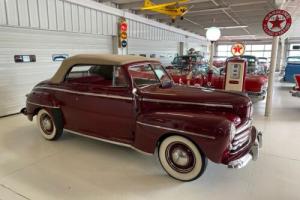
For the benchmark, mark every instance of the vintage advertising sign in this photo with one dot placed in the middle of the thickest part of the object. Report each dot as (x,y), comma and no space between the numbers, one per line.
(238,49)
(277,22)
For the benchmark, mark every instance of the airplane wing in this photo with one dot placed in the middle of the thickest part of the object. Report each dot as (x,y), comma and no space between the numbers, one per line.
(164,5)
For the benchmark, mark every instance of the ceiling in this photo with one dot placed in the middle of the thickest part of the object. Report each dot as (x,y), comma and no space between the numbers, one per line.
(239,18)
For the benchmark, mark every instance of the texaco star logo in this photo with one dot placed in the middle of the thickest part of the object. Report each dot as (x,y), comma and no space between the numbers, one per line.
(277,22)
(238,49)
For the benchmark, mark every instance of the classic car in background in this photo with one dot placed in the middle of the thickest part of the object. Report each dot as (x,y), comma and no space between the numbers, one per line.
(219,61)
(255,84)
(292,68)
(132,101)
(296,90)
(254,67)
(194,60)
(264,62)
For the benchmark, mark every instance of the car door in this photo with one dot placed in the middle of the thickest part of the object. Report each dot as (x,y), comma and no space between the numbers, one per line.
(111,110)
(96,103)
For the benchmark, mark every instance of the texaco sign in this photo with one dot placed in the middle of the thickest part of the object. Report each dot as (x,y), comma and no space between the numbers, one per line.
(277,22)
(238,49)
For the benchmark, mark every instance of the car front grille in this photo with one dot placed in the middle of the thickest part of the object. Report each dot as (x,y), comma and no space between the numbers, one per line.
(241,138)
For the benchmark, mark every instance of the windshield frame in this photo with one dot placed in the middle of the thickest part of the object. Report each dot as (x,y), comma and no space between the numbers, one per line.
(151,64)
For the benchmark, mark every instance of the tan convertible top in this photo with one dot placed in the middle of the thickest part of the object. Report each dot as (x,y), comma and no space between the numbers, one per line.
(97,59)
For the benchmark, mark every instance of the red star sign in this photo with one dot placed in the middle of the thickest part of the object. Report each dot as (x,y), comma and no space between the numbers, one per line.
(276,23)
(237,49)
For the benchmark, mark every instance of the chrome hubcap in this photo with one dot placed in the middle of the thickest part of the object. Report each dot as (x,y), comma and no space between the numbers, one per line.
(180,157)
(46,124)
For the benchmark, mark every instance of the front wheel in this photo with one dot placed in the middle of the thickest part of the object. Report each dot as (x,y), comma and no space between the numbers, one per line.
(181,158)
(48,126)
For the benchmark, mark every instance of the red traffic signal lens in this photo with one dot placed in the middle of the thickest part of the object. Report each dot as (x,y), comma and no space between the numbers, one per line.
(123,26)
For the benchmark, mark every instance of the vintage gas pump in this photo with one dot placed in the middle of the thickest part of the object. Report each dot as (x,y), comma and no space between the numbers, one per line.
(236,69)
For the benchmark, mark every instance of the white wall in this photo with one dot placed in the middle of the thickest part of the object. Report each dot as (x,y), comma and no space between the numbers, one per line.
(47,27)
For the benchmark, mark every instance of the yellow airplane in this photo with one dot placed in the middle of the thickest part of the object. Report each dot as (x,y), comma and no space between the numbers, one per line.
(171,9)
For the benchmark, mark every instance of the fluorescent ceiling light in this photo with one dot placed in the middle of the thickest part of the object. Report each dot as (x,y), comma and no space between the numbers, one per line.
(229,27)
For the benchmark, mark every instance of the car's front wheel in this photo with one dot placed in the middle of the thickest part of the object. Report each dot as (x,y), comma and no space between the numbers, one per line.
(48,126)
(181,158)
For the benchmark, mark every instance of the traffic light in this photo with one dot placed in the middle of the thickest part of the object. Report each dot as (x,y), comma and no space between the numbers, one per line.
(123,27)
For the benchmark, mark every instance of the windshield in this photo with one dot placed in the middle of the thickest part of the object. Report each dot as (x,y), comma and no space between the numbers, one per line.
(148,74)
(293,59)
(262,60)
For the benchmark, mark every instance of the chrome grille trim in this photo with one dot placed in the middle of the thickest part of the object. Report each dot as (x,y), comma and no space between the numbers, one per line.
(244,127)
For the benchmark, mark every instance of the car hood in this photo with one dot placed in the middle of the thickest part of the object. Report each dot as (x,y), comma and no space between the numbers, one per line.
(185,94)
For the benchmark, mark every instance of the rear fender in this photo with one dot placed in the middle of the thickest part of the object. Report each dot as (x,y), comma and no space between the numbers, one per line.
(210,132)
(37,100)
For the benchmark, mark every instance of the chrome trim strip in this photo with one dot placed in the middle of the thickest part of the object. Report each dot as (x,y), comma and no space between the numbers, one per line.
(108,141)
(187,103)
(86,93)
(46,106)
(176,130)
(244,127)
(241,135)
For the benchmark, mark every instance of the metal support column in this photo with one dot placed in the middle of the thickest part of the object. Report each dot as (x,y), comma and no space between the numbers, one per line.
(212,52)
(268,110)
(283,53)
(181,48)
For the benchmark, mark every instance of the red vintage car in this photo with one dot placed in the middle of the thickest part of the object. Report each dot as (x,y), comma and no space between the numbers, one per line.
(296,90)
(255,84)
(132,101)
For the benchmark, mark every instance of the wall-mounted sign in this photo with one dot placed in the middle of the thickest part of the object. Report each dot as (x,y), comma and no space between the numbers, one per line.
(24,58)
(277,22)
(238,49)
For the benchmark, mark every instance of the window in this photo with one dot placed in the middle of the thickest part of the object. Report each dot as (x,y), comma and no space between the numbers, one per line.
(102,75)
(258,50)
(143,75)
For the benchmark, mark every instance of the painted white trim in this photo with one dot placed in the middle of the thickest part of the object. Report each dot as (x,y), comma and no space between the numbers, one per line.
(108,141)
(178,131)
(86,93)
(188,103)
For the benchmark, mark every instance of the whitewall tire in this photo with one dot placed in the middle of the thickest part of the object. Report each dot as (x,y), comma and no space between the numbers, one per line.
(48,126)
(181,158)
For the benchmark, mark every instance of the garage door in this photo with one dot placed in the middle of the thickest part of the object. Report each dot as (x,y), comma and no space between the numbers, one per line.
(17,79)
(165,51)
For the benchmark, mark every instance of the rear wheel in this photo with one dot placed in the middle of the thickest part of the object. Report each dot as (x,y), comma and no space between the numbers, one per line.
(48,126)
(181,159)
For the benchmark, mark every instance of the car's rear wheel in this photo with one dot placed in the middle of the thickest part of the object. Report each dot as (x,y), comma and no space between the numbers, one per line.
(48,126)
(181,158)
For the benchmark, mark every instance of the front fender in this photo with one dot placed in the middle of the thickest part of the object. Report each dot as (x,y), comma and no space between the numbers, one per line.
(209,131)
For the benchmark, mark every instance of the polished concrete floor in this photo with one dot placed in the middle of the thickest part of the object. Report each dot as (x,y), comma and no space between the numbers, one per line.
(80,168)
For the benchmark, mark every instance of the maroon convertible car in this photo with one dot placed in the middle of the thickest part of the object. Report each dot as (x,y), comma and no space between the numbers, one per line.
(132,101)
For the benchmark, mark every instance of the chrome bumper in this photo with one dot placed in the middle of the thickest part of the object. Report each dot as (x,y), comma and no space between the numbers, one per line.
(258,95)
(252,155)
(295,93)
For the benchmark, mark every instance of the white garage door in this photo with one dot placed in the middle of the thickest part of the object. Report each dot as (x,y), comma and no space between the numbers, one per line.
(165,51)
(17,79)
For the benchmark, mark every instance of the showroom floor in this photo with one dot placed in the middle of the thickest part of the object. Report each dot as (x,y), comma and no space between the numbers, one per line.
(80,168)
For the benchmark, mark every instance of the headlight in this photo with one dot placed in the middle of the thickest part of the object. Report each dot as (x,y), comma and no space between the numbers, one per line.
(232,131)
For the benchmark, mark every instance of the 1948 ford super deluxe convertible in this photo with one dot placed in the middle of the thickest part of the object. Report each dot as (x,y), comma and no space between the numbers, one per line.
(132,101)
